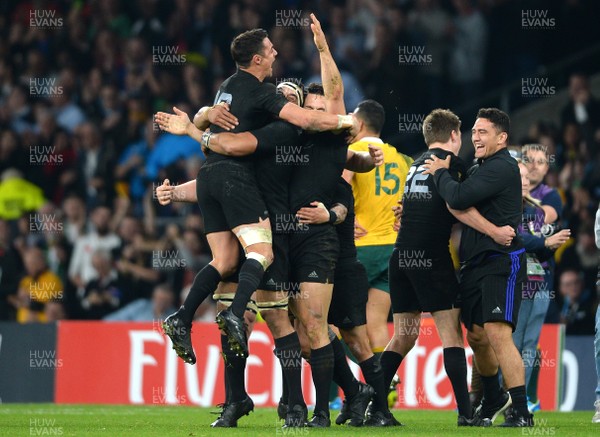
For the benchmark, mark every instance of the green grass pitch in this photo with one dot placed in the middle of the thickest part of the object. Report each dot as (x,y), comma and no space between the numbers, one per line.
(164,421)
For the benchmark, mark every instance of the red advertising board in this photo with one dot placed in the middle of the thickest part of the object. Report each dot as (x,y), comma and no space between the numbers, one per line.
(133,363)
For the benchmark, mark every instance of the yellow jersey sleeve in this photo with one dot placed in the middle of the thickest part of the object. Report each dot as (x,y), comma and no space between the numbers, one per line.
(376,192)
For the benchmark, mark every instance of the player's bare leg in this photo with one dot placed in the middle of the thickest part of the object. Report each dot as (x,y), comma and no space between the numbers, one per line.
(378,310)
(256,240)
(358,342)
(177,326)
(406,333)
(311,307)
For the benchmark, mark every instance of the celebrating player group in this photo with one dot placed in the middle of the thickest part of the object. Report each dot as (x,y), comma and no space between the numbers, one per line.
(318,225)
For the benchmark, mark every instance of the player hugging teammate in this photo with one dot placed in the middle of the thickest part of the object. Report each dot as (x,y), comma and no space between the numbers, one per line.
(293,222)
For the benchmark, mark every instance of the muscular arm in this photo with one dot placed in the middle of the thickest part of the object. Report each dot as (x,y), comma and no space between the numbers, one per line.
(230,144)
(462,195)
(357,162)
(314,120)
(471,217)
(263,140)
(331,78)
(341,211)
(318,213)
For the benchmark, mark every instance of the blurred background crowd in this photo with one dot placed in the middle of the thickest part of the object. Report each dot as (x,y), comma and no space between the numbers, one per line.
(81,234)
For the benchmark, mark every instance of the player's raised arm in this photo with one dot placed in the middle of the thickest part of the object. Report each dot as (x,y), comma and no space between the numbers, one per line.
(331,78)
(315,120)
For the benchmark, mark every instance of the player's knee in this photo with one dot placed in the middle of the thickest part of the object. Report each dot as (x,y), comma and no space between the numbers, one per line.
(477,340)
(360,349)
(277,321)
(264,260)
(498,333)
(225,266)
(316,327)
(256,239)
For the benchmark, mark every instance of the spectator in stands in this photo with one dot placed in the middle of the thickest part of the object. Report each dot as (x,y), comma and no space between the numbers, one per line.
(11,155)
(467,57)
(583,108)
(37,288)
(54,311)
(75,220)
(96,165)
(538,230)
(81,269)
(11,267)
(18,111)
(147,310)
(168,149)
(135,273)
(17,195)
(130,168)
(102,294)
(583,256)
(578,305)
(429,25)
(67,113)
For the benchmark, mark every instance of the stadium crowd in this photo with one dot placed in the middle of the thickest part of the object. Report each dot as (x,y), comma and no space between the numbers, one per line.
(81,234)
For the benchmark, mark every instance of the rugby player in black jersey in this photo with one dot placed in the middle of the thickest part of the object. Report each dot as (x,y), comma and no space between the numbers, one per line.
(422,277)
(232,206)
(348,313)
(273,179)
(309,309)
(492,273)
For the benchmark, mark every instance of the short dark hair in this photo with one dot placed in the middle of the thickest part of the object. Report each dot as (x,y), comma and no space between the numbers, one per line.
(246,45)
(372,114)
(315,88)
(499,118)
(439,124)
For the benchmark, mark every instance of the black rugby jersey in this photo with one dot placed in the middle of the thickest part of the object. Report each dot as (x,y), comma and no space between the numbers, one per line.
(325,157)
(253,102)
(345,229)
(426,221)
(494,188)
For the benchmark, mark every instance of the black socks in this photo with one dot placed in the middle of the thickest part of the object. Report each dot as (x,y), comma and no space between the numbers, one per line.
(250,276)
(205,283)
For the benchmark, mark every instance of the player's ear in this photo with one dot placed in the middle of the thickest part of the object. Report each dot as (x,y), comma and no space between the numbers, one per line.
(503,137)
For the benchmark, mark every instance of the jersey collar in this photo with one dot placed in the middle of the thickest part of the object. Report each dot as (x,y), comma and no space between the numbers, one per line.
(370,140)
